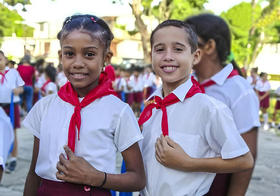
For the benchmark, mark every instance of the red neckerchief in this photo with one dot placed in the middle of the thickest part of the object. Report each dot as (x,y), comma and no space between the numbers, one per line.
(159,103)
(69,95)
(3,76)
(44,85)
(211,82)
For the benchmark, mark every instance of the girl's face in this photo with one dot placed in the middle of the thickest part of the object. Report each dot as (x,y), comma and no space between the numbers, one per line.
(172,58)
(82,58)
(2,62)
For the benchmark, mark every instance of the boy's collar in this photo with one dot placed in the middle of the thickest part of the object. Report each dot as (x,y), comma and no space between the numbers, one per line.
(180,92)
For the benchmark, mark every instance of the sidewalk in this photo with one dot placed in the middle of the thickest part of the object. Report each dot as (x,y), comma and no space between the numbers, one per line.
(265,182)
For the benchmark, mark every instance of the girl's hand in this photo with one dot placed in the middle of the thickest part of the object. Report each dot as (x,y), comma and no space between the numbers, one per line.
(18,90)
(170,154)
(77,170)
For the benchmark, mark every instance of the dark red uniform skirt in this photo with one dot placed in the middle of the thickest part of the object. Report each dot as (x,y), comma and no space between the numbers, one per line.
(129,98)
(6,107)
(265,102)
(138,97)
(277,105)
(220,185)
(53,188)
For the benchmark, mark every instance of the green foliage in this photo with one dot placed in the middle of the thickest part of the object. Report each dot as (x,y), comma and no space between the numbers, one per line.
(11,22)
(14,2)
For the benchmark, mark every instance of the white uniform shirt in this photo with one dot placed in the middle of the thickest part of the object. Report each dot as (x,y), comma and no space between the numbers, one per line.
(108,125)
(40,82)
(51,87)
(12,81)
(6,137)
(239,96)
(149,79)
(263,86)
(277,92)
(203,127)
(136,84)
(61,79)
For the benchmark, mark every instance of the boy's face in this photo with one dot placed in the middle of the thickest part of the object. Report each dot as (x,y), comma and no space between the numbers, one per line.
(82,60)
(172,59)
(2,62)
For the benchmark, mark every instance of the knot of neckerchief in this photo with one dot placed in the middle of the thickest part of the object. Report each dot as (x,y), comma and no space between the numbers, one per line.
(3,76)
(211,82)
(159,103)
(69,95)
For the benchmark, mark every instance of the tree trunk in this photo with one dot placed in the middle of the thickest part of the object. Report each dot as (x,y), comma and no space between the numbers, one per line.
(135,6)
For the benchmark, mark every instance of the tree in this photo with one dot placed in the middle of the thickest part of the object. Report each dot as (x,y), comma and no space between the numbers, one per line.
(252,26)
(166,9)
(11,22)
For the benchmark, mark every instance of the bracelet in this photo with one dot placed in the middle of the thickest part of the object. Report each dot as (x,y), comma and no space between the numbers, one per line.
(104,181)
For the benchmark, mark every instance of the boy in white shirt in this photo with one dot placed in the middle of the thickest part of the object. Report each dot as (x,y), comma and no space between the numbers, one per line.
(188,136)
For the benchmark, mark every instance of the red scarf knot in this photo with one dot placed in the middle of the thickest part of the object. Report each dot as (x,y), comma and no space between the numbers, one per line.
(159,103)
(69,95)
(3,76)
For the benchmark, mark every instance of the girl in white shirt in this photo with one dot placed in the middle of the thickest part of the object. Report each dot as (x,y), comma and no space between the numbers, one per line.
(263,88)
(10,84)
(188,136)
(78,131)
(49,86)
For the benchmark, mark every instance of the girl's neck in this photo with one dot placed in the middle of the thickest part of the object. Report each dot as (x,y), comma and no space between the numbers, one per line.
(2,70)
(206,70)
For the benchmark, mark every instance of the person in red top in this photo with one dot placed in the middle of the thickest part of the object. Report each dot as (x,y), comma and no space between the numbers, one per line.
(27,73)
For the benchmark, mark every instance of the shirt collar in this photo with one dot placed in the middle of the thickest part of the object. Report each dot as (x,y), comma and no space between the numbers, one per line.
(180,92)
(220,77)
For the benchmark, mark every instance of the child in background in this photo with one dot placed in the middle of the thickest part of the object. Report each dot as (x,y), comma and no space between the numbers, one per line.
(149,82)
(276,108)
(253,78)
(219,75)
(6,139)
(60,78)
(263,88)
(182,158)
(86,116)
(10,83)
(49,87)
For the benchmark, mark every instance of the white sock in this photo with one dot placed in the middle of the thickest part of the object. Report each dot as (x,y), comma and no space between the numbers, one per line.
(265,118)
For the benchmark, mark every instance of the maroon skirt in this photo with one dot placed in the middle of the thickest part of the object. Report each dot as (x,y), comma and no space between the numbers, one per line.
(220,185)
(6,107)
(265,102)
(149,92)
(54,188)
(277,105)
(138,97)
(129,98)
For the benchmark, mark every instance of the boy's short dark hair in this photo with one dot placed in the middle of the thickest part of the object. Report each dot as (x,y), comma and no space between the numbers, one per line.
(191,36)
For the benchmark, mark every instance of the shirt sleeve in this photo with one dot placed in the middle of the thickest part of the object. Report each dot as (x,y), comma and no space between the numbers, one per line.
(33,120)
(246,119)
(222,134)
(127,131)
(19,81)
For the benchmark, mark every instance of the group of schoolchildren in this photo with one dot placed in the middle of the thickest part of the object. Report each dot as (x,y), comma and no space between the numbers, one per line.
(201,121)
(262,87)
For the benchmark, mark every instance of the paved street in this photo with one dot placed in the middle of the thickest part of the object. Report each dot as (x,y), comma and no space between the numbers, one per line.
(266,178)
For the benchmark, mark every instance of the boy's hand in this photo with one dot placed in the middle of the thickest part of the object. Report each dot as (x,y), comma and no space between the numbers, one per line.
(170,154)
(77,170)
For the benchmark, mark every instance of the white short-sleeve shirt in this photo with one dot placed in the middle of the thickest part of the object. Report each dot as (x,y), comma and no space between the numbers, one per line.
(239,96)
(51,88)
(203,127)
(108,125)
(263,86)
(6,137)
(137,84)
(12,81)
(149,79)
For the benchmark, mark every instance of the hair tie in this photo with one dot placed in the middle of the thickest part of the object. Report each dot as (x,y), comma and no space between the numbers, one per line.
(92,19)
(68,20)
(230,57)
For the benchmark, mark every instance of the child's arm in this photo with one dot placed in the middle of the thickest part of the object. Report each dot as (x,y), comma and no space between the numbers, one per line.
(262,97)
(18,90)
(170,154)
(32,182)
(78,170)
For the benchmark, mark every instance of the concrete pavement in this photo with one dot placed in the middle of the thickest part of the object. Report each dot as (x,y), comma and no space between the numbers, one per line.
(266,177)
